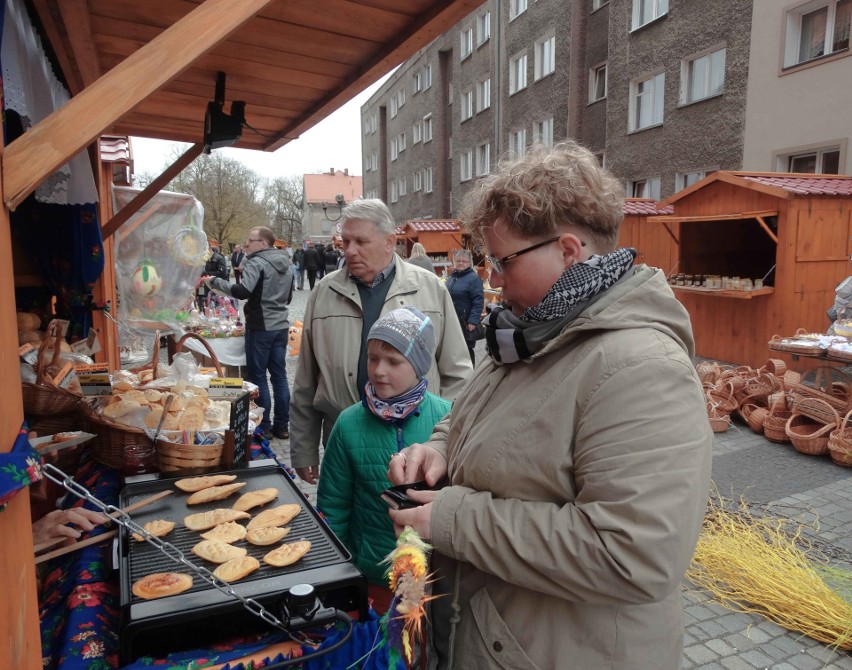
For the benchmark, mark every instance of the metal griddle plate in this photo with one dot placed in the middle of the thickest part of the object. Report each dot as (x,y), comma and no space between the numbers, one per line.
(326,562)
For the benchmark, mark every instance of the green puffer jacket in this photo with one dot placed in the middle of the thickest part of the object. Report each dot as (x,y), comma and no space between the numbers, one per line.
(354,473)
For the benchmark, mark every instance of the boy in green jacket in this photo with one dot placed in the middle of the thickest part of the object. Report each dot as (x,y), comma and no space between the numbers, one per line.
(397,411)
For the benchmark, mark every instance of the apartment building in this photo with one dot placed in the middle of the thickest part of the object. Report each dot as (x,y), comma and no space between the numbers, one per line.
(663,91)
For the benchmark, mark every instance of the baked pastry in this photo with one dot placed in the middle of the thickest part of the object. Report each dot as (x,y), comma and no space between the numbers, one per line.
(65,437)
(266,536)
(255,499)
(217,552)
(161,584)
(152,418)
(214,517)
(214,493)
(237,568)
(226,532)
(157,528)
(193,484)
(287,554)
(191,419)
(153,396)
(277,516)
(122,386)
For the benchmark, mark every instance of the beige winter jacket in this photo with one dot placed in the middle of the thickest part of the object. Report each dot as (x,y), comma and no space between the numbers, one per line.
(579,480)
(327,374)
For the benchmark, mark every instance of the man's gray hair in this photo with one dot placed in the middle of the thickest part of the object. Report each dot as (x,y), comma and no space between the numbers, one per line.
(373,210)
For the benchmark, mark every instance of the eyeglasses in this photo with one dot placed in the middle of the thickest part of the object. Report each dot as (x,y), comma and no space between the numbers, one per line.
(499,263)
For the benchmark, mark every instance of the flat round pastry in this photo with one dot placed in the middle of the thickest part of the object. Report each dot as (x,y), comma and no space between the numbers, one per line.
(214,493)
(287,554)
(266,536)
(152,418)
(237,568)
(214,517)
(157,528)
(277,516)
(161,584)
(122,386)
(193,484)
(255,499)
(226,532)
(153,395)
(191,419)
(217,552)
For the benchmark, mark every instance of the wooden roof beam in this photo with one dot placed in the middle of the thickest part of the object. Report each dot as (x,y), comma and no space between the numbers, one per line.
(36,154)
(78,28)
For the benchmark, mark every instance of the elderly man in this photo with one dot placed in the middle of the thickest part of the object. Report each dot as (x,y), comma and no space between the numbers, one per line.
(332,369)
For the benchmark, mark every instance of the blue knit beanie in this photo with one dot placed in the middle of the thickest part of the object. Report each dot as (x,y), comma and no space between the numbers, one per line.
(411,333)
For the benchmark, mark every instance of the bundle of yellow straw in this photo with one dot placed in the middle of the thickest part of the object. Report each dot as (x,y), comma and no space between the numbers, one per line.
(756,565)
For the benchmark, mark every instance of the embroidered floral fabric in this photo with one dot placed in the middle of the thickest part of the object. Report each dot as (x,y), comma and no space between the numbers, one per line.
(19,468)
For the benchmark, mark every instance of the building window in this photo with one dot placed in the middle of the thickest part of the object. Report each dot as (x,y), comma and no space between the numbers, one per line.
(400,97)
(417,132)
(466,166)
(483,95)
(645,188)
(372,193)
(427,77)
(483,28)
(702,76)
(597,83)
(427,180)
(402,142)
(374,161)
(518,73)
(597,4)
(817,29)
(544,132)
(394,107)
(402,187)
(813,161)
(646,107)
(417,82)
(483,159)
(545,57)
(466,43)
(394,148)
(427,128)
(516,8)
(418,181)
(518,142)
(684,179)
(645,11)
(466,105)
(394,190)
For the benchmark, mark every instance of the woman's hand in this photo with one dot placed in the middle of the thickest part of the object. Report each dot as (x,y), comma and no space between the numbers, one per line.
(53,525)
(419,518)
(417,462)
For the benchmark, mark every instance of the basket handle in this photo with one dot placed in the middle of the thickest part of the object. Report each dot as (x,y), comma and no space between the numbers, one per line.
(833,411)
(800,331)
(155,357)
(54,332)
(845,419)
(781,401)
(205,343)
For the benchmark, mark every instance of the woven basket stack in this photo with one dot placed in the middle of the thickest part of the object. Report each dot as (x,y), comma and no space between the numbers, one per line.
(811,410)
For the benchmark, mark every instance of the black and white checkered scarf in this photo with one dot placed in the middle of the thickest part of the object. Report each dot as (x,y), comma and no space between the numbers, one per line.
(510,338)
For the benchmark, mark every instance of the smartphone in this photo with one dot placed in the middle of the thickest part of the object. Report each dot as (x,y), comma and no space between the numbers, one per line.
(396,498)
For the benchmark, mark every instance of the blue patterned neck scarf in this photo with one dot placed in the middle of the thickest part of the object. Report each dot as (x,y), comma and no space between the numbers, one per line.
(394,409)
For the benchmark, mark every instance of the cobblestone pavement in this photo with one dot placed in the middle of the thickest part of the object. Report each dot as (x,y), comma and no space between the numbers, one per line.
(793,485)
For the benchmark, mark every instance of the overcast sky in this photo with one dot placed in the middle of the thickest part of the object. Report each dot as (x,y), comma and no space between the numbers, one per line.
(334,142)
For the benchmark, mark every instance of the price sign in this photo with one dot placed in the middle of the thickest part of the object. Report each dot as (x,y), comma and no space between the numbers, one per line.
(239,424)
(94,379)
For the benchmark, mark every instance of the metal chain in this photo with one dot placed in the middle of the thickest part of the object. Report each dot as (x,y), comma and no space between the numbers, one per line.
(56,475)
(118,323)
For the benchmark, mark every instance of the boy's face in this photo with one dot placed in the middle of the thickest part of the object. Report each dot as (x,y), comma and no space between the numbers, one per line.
(388,370)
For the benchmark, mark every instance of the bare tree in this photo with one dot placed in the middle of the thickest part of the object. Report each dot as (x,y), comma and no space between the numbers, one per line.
(284,198)
(232,195)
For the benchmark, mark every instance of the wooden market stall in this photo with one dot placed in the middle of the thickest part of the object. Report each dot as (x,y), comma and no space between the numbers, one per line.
(653,241)
(152,69)
(439,237)
(790,232)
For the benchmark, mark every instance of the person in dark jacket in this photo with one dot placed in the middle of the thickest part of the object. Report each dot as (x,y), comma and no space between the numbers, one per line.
(267,286)
(216,266)
(237,258)
(466,290)
(312,263)
(321,257)
(299,268)
(331,257)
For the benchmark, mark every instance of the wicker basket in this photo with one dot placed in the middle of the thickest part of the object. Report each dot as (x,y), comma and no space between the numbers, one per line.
(173,457)
(750,404)
(756,418)
(808,436)
(722,398)
(775,366)
(822,402)
(804,347)
(113,442)
(791,377)
(776,420)
(211,354)
(44,398)
(708,372)
(719,423)
(840,443)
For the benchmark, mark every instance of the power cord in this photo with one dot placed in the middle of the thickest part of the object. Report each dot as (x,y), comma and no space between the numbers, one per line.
(340,616)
